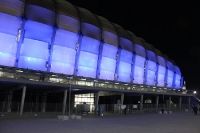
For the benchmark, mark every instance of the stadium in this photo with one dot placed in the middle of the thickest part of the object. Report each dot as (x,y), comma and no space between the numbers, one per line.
(56,56)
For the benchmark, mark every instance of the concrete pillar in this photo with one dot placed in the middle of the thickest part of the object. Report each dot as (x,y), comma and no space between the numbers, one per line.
(22,101)
(37,102)
(9,102)
(43,105)
(170,99)
(64,102)
(180,102)
(157,102)
(96,96)
(122,98)
(141,102)
(189,103)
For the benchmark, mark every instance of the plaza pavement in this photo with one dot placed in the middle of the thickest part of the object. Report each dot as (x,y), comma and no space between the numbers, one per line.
(177,122)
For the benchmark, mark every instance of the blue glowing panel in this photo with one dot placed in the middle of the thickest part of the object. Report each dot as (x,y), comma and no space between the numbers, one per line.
(59,67)
(126,44)
(139,70)
(9,24)
(8,43)
(34,48)
(108,62)
(32,63)
(65,57)
(151,69)
(140,50)
(151,55)
(170,76)
(161,76)
(124,72)
(90,45)
(125,66)
(66,38)
(161,61)
(87,64)
(38,31)
(7,59)
(178,81)
(8,47)
(109,51)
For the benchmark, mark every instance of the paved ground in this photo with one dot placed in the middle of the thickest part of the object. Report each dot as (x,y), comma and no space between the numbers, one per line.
(178,122)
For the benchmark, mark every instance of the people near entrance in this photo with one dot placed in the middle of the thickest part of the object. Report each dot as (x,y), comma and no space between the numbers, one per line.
(125,110)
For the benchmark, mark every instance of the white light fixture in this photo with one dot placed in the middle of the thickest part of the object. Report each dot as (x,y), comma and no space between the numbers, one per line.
(165,88)
(154,87)
(83,79)
(178,90)
(174,89)
(194,92)
(125,84)
(54,75)
(0,68)
(20,71)
(141,86)
(116,83)
(31,79)
(106,82)
(95,80)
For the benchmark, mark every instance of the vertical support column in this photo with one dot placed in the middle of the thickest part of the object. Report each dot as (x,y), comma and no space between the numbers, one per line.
(51,49)
(117,64)
(44,99)
(182,82)
(22,101)
(9,102)
(145,71)
(166,77)
(122,98)
(78,49)
(189,99)
(157,102)
(156,75)
(96,102)
(174,80)
(180,102)
(141,102)
(20,39)
(64,102)
(37,103)
(99,59)
(170,98)
(133,67)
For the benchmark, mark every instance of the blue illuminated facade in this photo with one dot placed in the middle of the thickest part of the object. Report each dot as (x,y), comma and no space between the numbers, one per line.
(55,36)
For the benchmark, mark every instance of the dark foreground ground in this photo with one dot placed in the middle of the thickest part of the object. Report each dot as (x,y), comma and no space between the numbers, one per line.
(177,122)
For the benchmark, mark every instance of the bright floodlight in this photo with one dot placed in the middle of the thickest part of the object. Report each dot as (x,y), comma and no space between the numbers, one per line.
(194,92)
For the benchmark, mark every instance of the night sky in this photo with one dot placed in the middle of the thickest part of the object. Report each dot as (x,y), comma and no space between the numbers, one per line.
(170,26)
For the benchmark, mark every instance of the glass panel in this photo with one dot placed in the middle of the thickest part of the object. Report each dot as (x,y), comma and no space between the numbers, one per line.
(109,51)
(124,71)
(32,63)
(66,38)
(38,31)
(161,80)
(7,59)
(138,75)
(59,67)
(34,48)
(90,45)
(150,77)
(108,64)
(126,56)
(8,43)
(86,72)
(107,75)
(9,24)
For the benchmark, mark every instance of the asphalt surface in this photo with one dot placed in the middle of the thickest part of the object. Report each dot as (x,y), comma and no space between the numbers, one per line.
(177,122)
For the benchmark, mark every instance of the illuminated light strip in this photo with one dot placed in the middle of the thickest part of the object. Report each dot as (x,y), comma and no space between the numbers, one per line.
(116,83)
(125,84)
(83,79)
(106,82)
(19,71)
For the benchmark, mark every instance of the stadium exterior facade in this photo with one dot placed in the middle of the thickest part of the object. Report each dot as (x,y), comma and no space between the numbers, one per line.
(68,43)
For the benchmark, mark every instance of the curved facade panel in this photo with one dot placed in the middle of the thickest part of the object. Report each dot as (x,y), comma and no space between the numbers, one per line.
(89,44)
(55,36)
(38,30)
(125,56)
(108,50)
(161,69)
(66,39)
(10,24)
(139,58)
(150,65)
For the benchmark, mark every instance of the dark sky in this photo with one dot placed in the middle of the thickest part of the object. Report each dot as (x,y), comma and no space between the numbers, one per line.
(170,26)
